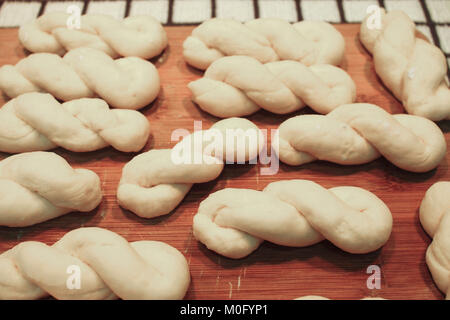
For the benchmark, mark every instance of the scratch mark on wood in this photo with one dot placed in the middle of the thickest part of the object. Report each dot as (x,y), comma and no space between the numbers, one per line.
(239,280)
(218,278)
(105,174)
(189,259)
(188,243)
(231,290)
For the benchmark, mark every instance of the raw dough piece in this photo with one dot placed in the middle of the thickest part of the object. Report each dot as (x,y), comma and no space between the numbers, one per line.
(138,36)
(435,219)
(296,213)
(155,182)
(36,122)
(39,186)
(265,39)
(109,267)
(358,133)
(126,83)
(239,86)
(412,68)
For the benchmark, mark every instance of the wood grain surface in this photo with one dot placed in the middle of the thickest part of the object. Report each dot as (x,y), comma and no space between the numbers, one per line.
(272,272)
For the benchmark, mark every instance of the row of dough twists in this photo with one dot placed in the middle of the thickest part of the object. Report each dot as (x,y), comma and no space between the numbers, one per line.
(411,67)
(153,183)
(146,269)
(244,73)
(232,222)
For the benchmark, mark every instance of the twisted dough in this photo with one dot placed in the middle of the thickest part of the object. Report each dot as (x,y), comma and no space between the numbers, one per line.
(267,40)
(239,86)
(296,213)
(139,36)
(36,121)
(153,183)
(358,133)
(110,268)
(38,186)
(435,219)
(127,83)
(412,68)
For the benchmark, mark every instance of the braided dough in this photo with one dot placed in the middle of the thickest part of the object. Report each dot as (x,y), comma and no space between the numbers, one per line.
(139,36)
(110,268)
(127,83)
(267,40)
(239,86)
(296,213)
(412,68)
(36,121)
(435,219)
(358,133)
(39,186)
(152,184)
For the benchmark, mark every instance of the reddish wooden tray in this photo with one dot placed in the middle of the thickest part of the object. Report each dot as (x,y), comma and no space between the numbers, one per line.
(272,272)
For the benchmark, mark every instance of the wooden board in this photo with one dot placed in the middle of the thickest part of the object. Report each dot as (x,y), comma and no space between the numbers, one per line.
(272,272)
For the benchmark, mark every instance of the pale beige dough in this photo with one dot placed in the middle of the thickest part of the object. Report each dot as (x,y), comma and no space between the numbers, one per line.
(152,184)
(312,297)
(435,219)
(239,86)
(110,268)
(39,186)
(296,213)
(324,298)
(37,122)
(412,68)
(359,133)
(139,36)
(265,39)
(126,83)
